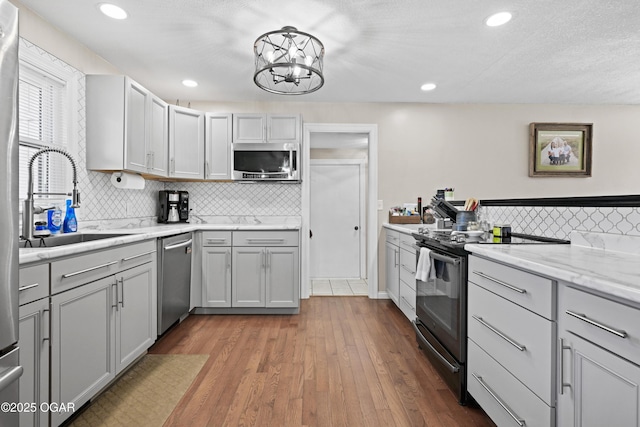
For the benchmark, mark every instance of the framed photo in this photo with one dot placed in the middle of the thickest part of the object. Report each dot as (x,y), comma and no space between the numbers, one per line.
(560,149)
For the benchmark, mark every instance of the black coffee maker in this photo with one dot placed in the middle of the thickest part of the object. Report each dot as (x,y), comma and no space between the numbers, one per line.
(173,206)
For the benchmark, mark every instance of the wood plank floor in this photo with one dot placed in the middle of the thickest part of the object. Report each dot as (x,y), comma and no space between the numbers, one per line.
(343,361)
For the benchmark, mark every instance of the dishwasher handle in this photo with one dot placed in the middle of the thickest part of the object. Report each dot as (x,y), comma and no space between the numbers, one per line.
(178,245)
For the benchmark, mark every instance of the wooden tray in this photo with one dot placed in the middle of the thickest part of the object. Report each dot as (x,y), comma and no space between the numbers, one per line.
(404,219)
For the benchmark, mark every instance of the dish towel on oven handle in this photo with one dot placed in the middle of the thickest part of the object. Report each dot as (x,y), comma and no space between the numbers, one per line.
(425,268)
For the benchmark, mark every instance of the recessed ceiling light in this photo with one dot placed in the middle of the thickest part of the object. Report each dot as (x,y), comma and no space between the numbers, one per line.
(428,86)
(190,83)
(112,11)
(498,19)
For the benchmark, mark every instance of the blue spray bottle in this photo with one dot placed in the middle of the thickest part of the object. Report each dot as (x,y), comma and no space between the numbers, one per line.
(70,223)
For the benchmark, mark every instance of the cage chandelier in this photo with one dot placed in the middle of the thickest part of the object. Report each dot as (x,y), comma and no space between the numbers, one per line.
(288,62)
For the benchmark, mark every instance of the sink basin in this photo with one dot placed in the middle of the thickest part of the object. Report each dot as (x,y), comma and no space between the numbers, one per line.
(69,239)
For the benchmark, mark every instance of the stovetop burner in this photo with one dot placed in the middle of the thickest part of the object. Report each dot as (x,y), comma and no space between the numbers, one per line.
(457,239)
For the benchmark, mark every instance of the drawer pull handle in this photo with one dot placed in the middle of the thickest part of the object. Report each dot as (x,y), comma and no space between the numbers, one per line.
(137,256)
(618,333)
(407,269)
(256,240)
(217,240)
(97,267)
(561,382)
(24,288)
(500,282)
(500,334)
(516,418)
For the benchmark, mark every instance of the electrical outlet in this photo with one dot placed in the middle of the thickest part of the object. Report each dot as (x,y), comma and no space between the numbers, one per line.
(127,209)
(192,206)
(379,205)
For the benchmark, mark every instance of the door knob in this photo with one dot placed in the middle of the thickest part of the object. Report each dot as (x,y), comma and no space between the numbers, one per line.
(356,228)
(310,234)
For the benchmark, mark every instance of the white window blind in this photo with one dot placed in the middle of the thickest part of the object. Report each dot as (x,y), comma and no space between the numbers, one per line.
(43,118)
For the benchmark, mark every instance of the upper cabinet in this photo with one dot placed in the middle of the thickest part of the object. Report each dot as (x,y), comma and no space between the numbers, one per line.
(217,148)
(126,126)
(186,143)
(267,128)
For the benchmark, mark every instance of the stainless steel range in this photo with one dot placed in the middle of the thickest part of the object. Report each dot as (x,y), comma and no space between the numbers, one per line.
(441,300)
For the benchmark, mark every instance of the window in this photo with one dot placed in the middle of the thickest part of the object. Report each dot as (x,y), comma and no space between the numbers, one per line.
(44,100)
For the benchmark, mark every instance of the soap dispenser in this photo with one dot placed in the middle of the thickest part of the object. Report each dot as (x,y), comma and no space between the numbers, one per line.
(70,223)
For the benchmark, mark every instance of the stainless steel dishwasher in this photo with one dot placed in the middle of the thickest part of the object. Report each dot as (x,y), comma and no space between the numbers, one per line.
(174,279)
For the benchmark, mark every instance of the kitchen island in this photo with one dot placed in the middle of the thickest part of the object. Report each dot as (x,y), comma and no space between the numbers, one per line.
(554,335)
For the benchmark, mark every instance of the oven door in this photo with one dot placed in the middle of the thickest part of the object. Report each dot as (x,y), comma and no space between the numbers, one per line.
(440,301)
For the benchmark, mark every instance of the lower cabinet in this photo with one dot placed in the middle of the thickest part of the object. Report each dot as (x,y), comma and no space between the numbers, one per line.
(392,270)
(136,313)
(216,275)
(82,343)
(97,330)
(34,358)
(598,361)
(265,277)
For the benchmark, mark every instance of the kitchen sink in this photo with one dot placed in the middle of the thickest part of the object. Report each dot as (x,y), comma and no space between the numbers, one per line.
(69,239)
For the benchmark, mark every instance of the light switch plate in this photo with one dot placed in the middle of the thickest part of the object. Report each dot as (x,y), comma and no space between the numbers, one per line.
(379,205)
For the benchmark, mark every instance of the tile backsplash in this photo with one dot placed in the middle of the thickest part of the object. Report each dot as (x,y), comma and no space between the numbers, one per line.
(559,221)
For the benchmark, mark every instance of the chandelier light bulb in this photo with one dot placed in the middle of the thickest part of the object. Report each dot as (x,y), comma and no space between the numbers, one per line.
(269,56)
(308,60)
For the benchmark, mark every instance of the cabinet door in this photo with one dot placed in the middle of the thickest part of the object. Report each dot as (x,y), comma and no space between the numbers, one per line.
(249,128)
(136,313)
(218,146)
(82,343)
(186,143)
(216,276)
(601,388)
(136,125)
(283,128)
(282,277)
(158,137)
(248,288)
(392,275)
(34,358)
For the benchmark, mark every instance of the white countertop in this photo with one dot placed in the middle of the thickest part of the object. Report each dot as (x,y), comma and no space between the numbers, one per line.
(406,228)
(136,234)
(593,265)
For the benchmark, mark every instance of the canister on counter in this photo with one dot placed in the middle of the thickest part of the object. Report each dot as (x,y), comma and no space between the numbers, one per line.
(502,230)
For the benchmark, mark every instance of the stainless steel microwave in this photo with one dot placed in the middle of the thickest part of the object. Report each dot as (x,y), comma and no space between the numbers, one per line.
(267,161)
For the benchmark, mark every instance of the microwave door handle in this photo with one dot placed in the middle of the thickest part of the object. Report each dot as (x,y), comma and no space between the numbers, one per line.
(290,163)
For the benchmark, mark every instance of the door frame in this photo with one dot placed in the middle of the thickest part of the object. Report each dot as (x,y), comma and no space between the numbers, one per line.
(362,201)
(371,130)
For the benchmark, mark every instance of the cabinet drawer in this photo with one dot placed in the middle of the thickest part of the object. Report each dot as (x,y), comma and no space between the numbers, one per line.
(407,301)
(597,313)
(518,339)
(33,282)
(493,386)
(265,238)
(78,270)
(407,242)
(393,237)
(216,238)
(408,268)
(525,289)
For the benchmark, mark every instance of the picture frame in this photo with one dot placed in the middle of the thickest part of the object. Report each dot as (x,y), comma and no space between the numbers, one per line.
(560,149)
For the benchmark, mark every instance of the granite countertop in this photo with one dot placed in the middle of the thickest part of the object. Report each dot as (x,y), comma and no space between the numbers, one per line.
(132,233)
(608,264)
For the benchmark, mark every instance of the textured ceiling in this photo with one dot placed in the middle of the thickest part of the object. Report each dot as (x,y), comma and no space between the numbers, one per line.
(569,51)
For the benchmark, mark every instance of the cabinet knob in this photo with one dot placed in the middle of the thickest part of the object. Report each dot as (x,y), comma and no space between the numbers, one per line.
(356,228)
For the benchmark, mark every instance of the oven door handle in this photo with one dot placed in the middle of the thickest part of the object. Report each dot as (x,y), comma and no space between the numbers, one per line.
(423,341)
(448,260)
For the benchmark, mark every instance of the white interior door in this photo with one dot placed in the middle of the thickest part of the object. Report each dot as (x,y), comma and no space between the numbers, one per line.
(335,219)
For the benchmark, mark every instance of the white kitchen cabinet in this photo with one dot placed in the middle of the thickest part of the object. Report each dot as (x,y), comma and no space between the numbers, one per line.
(103,317)
(267,128)
(34,358)
(127,126)
(218,131)
(82,343)
(265,269)
(407,285)
(186,143)
(392,265)
(511,342)
(136,313)
(216,269)
(598,360)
